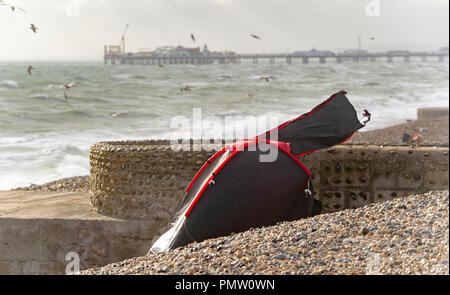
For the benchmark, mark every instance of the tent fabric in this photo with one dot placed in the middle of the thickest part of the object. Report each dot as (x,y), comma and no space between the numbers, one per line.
(330,123)
(238,198)
(235,191)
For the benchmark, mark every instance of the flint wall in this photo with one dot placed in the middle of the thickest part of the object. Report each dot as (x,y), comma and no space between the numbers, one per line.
(142,179)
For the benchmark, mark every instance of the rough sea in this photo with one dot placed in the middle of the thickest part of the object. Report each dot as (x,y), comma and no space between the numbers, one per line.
(44,137)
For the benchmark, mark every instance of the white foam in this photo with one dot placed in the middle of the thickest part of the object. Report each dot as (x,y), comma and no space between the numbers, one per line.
(10,84)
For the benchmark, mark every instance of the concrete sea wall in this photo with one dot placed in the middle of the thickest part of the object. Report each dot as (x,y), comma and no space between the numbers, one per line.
(43,232)
(147,178)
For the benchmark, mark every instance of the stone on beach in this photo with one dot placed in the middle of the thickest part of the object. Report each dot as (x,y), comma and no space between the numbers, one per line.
(413,240)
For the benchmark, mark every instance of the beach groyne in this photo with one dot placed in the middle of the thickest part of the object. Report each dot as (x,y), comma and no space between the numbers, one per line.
(431,113)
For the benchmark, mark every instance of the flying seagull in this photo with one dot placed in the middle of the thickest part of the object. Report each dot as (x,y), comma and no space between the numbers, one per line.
(13,8)
(67,86)
(255,36)
(29,68)
(268,79)
(372,38)
(366,117)
(33,28)
(186,88)
(116,114)
(192,37)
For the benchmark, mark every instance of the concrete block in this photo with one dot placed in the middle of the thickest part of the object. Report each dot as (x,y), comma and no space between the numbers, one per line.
(358,198)
(387,195)
(332,201)
(436,175)
(384,175)
(431,113)
(345,174)
(410,175)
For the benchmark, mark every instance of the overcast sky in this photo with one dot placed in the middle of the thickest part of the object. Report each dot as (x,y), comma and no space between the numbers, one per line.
(284,25)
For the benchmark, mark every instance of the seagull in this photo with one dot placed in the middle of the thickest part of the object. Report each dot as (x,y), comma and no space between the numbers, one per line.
(268,79)
(192,37)
(29,68)
(66,97)
(67,86)
(116,114)
(13,8)
(372,38)
(33,28)
(187,88)
(255,36)
(366,117)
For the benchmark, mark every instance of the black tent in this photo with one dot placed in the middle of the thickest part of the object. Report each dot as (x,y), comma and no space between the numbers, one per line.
(235,191)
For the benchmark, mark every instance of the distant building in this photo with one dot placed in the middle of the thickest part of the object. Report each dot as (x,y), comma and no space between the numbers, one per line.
(398,52)
(227,52)
(185,51)
(145,52)
(444,50)
(176,51)
(205,50)
(356,52)
(163,51)
(314,52)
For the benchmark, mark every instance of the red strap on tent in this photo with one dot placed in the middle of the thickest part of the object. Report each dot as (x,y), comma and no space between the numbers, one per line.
(238,147)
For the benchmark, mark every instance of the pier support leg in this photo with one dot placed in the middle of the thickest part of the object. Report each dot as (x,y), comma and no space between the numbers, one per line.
(373,59)
(322,60)
(305,60)
(406,59)
(423,58)
(255,61)
(339,60)
(389,59)
(441,58)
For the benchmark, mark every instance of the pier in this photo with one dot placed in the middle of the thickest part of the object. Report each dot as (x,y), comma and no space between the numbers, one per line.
(143,59)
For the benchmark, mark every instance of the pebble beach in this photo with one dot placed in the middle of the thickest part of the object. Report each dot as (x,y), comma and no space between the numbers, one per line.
(403,236)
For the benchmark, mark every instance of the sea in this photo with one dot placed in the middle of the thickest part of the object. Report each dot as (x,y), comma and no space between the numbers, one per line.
(45,137)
